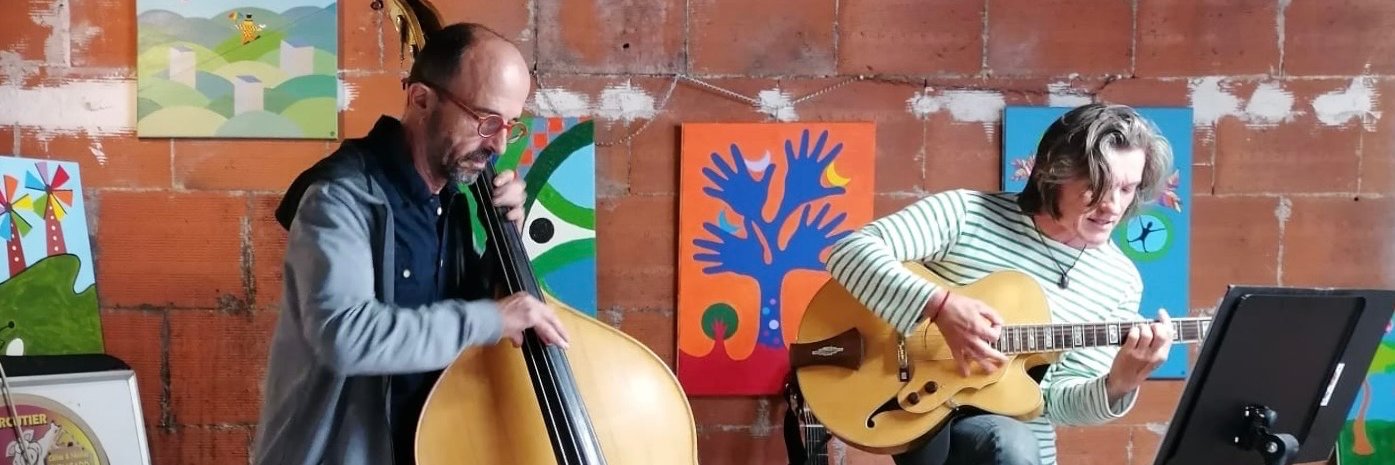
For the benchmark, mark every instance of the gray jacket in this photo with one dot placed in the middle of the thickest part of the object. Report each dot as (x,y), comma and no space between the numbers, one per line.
(339,337)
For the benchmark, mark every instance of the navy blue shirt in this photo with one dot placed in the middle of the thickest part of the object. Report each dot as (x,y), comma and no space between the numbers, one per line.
(419,280)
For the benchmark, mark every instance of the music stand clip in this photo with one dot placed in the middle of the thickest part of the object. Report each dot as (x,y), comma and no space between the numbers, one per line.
(1277,448)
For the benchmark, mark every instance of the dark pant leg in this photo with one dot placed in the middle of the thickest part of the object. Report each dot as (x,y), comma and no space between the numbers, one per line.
(982,440)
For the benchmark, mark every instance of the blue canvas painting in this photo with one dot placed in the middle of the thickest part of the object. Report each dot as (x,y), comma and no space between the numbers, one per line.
(1158,239)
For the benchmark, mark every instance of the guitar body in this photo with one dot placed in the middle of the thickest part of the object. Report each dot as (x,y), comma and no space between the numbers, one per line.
(483,408)
(865,402)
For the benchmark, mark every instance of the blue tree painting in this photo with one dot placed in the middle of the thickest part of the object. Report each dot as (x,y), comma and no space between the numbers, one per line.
(750,231)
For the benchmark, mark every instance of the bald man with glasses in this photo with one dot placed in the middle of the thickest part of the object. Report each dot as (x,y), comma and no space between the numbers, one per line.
(383,287)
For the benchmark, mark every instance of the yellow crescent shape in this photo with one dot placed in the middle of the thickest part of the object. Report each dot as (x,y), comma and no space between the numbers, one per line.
(834,178)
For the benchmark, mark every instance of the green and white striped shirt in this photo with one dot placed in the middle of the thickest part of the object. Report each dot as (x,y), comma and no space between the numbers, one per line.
(963,236)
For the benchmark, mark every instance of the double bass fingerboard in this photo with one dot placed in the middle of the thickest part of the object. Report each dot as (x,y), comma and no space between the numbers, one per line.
(1057,337)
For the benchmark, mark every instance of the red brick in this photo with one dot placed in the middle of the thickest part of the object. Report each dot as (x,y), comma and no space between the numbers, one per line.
(103,33)
(900,135)
(1340,241)
(910,37)
(217,364)
(1059,37)
(636,252)
(761,38)
(137,337)
(268,252)
(1157,400)
(1145,92)
(1300,155)
(1211,37)
(1339,37)
(962,154)
(654,153)
(634,36)
(886,204)
(655,329)
(1093,445)
(26,36)
(260,165)
(108,161)
(725,446)
(1203,179)
(201,445)
(163,248)
(9,136)
(1377,147)
(362,38)
(1235,240)
(1145,445)
(855,456)
(509,19)
(738,411)
(374,95)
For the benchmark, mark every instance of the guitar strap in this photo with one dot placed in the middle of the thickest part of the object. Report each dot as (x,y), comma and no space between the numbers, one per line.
(794,447)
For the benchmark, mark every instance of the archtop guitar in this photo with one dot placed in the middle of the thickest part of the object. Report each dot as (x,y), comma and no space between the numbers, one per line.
(884,393)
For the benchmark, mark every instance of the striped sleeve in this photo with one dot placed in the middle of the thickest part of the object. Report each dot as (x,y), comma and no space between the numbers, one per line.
(868,262)
(1075,388)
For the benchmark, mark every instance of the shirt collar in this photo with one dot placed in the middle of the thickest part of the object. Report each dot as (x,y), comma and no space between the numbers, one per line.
(389,142)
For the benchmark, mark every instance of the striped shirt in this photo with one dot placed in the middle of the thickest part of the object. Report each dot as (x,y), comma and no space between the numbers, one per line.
(962,236)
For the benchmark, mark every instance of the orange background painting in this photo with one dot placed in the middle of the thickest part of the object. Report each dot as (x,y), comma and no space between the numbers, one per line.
(754,360)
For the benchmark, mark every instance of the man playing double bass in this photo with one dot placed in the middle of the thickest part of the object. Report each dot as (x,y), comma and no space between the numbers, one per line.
(1093,169)
(383,288)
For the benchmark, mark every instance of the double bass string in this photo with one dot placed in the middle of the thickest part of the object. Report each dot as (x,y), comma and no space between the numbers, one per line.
(544,367)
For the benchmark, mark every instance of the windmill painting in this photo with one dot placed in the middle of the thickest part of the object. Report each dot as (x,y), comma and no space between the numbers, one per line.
(759,205)
(48,294)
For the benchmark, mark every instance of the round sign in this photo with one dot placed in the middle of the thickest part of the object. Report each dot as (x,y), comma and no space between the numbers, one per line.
(51,434)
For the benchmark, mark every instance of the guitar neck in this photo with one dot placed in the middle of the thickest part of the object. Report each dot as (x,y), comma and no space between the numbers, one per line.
(1059,337)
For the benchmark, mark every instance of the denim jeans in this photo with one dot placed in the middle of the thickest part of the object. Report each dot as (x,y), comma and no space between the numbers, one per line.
(983,440)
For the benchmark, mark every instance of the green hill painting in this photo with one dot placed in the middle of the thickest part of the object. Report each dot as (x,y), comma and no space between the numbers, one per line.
(244,69)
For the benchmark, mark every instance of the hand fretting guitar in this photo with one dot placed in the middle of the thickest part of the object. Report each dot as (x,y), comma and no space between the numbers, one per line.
(881,393)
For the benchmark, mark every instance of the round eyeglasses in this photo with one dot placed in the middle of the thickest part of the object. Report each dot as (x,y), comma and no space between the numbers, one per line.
(489,125)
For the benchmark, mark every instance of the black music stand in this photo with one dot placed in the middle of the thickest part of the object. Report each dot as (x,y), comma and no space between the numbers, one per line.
(1277,376)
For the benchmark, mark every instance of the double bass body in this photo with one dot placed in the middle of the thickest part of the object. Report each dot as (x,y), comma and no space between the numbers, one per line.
(607,399)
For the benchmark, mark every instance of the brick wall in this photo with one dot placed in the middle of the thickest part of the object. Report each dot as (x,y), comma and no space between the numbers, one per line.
(1293,168)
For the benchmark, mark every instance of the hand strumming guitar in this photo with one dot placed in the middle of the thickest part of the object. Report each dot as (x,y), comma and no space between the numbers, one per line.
(969,327)
(1145,348)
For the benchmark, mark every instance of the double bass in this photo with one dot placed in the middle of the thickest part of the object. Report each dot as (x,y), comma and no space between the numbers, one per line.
(607,399)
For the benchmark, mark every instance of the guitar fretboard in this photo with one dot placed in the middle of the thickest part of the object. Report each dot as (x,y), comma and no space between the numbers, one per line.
(1058,337)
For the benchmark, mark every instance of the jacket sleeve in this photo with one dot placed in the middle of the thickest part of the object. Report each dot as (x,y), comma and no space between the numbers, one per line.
(868,262)
(329,265)
(1074,388)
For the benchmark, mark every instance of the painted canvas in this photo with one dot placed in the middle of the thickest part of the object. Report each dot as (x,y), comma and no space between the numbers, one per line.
(48,297)
(1369,435)
(758,205)
(557,160)
(1158,239)
(237,69)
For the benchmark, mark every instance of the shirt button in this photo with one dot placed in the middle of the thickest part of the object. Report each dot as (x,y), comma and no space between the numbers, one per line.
(406,273)
(438,210)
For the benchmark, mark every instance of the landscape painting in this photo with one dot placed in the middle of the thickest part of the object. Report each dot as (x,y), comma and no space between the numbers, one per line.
(759,204)
(237,69)
(1369,435)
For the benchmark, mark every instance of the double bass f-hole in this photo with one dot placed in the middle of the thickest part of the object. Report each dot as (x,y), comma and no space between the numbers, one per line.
(573,437)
